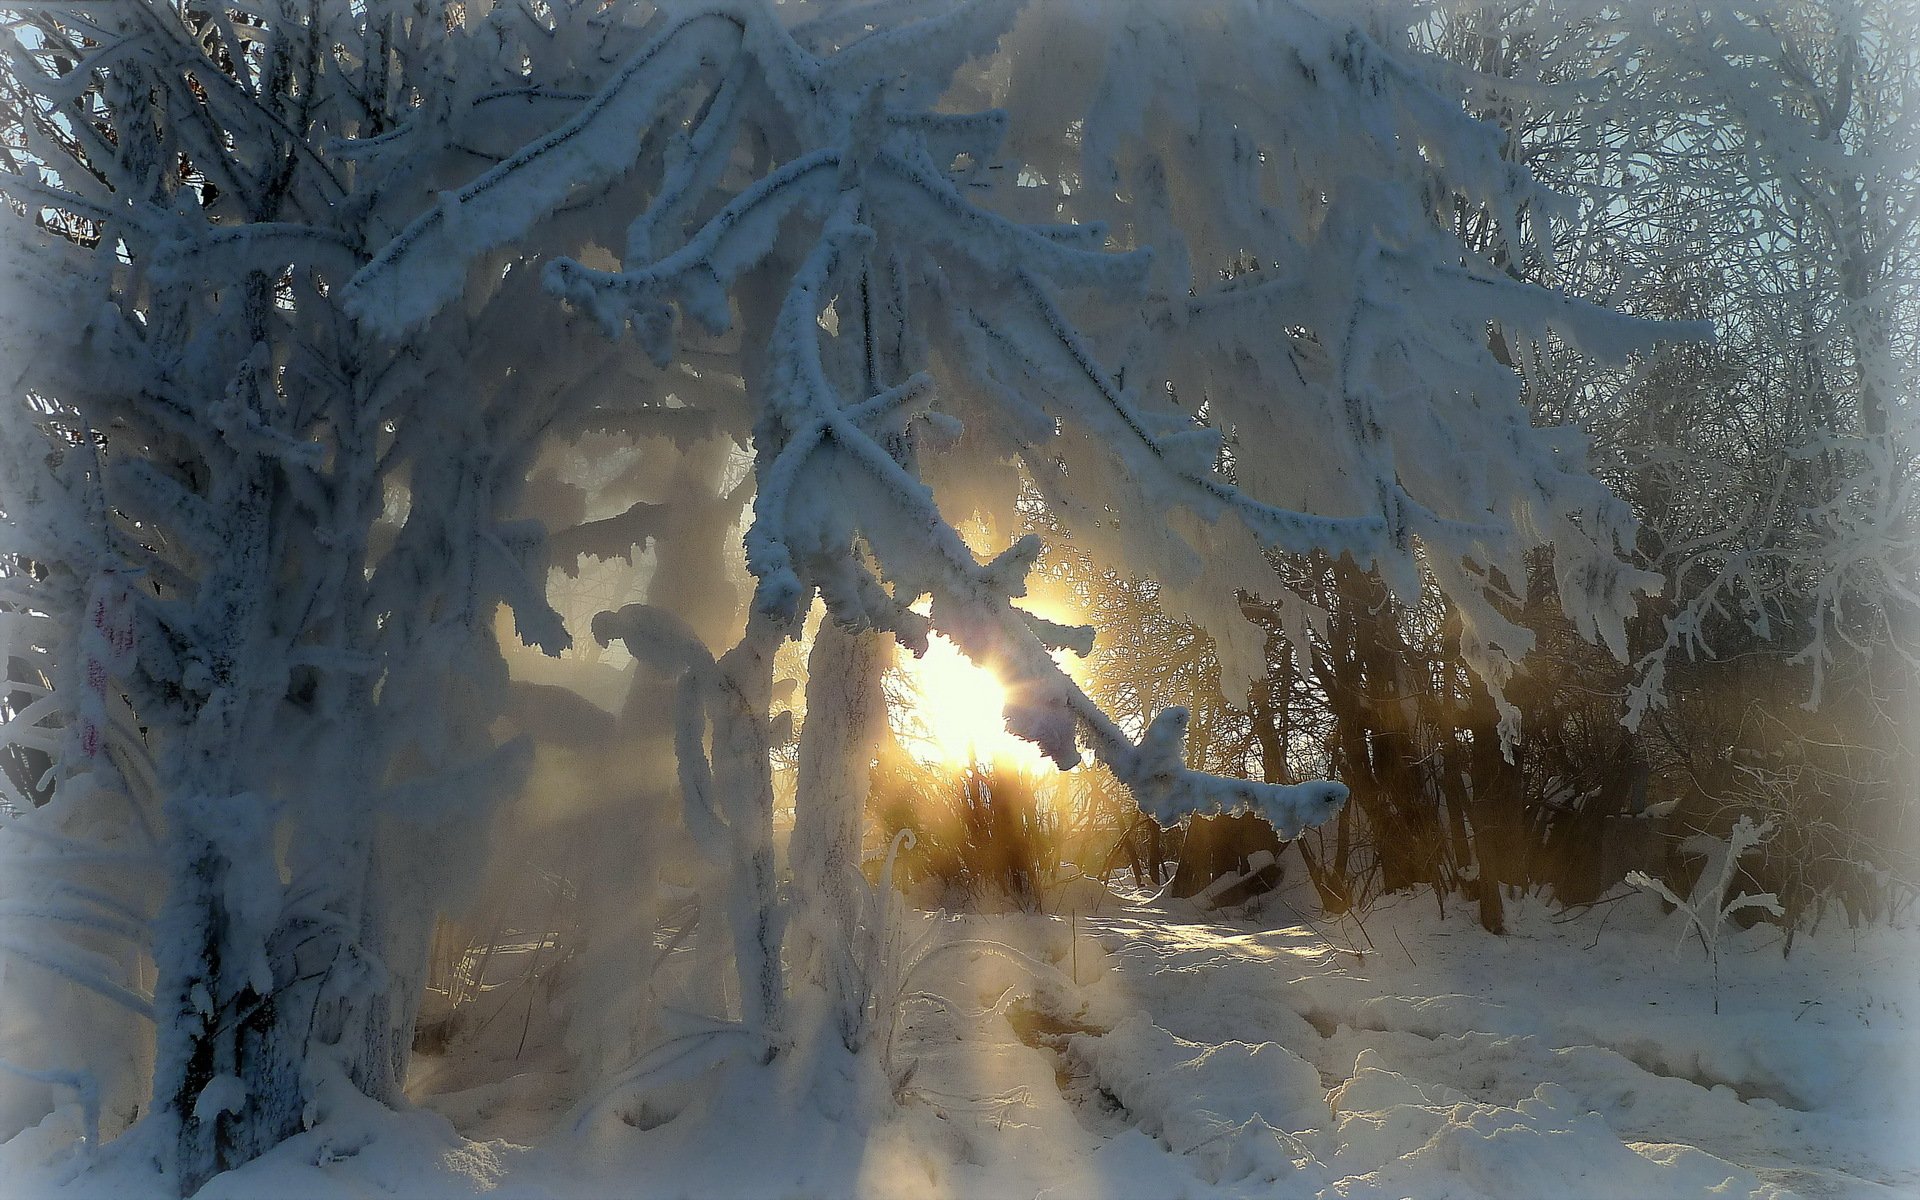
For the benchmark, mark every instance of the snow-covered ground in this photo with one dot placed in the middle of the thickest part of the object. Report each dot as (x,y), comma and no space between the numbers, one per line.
(1170,1054)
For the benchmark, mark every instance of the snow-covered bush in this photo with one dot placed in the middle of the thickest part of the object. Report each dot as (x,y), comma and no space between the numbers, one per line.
(982,835)
(1841,835)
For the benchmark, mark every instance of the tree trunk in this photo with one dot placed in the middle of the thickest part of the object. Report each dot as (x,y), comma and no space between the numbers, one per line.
(201,1008)
(1218,846)
(743,790)
(846,713)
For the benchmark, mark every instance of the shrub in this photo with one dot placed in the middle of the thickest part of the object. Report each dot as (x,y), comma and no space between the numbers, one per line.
(983,838)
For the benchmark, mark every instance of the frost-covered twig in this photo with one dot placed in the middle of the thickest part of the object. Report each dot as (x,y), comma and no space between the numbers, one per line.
(1708,907)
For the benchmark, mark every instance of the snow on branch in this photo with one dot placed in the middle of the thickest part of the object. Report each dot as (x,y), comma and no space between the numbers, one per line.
(840,510)
(875,261)
(420,270)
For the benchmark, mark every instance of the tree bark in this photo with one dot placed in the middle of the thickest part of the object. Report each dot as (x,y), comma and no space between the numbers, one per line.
(846,712)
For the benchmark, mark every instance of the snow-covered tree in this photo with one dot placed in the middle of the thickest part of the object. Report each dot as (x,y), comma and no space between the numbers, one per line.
(929,300)
(303,531)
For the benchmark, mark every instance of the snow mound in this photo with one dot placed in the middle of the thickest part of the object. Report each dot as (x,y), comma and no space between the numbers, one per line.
(1230,1104)
(1397,1138)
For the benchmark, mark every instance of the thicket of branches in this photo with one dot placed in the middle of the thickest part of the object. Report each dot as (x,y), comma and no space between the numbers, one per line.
(1755,167)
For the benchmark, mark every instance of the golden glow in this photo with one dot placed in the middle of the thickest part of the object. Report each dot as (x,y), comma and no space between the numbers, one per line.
(949,711)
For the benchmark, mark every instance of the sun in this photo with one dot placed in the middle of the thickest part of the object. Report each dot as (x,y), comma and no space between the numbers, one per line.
(950,711)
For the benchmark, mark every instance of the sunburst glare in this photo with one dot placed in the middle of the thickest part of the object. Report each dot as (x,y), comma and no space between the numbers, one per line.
(950,711)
